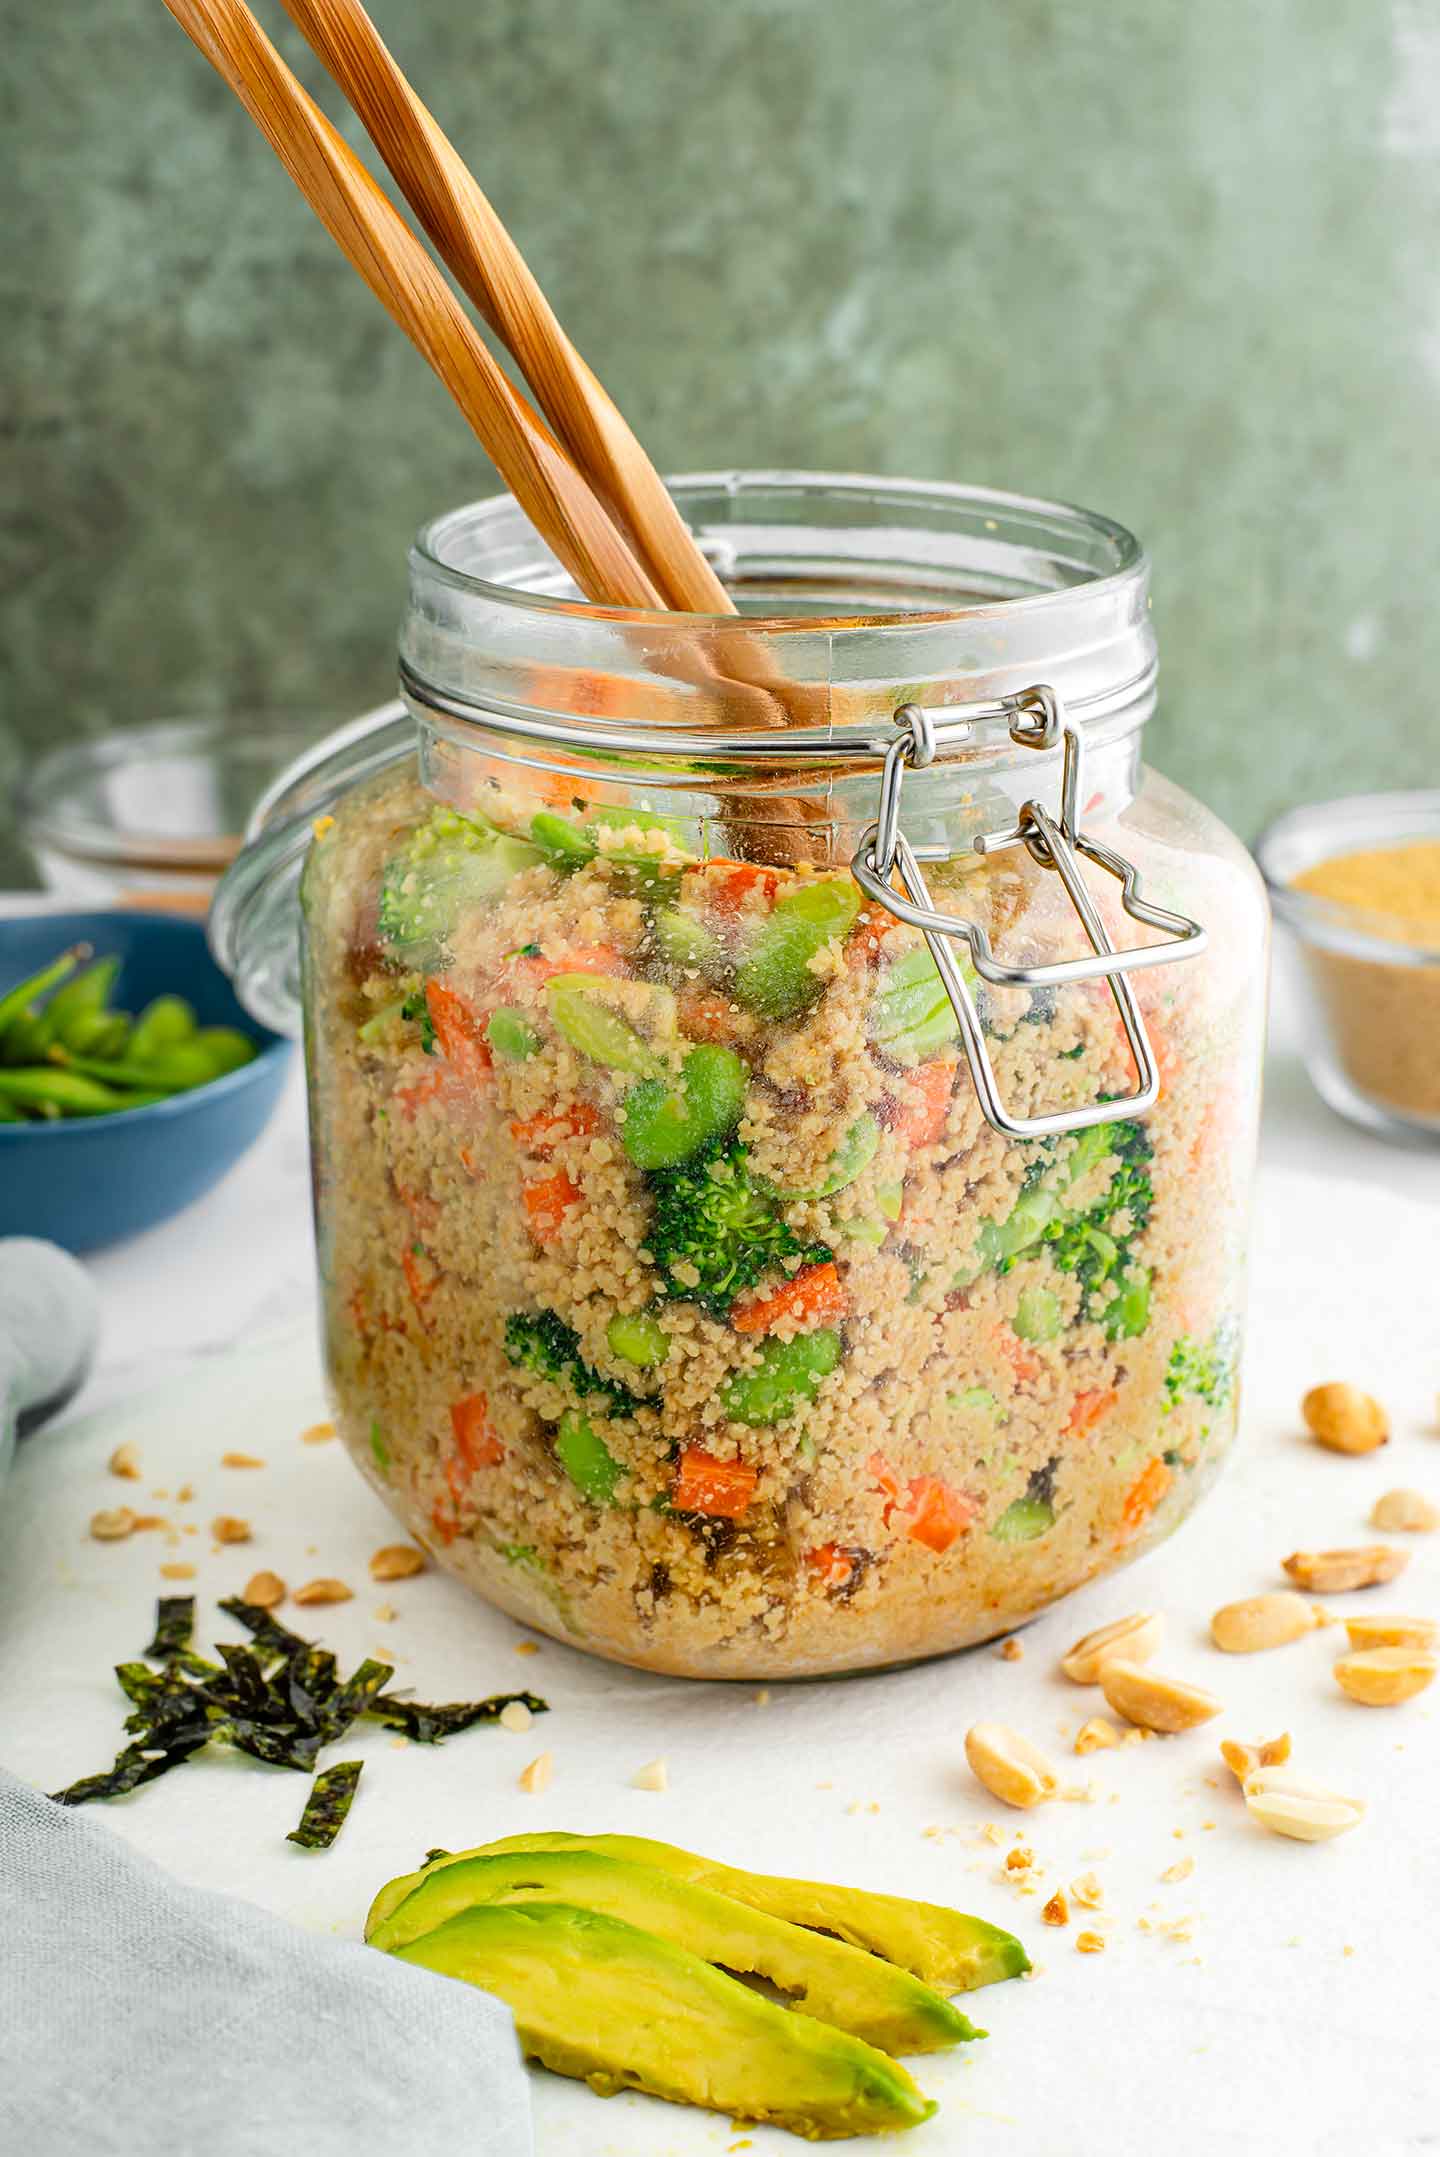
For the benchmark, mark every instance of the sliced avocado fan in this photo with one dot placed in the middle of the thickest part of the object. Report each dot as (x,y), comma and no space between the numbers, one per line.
(620,2009)
(943,1948)
(823,1977)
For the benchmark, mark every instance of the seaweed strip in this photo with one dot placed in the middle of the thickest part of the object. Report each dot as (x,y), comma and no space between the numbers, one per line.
(431,1725)
(358,1694)
(330,1799)
(137,1764)
(271,1637)
(174,1628)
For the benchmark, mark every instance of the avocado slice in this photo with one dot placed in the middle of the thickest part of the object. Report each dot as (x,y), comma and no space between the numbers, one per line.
(620,2009)
(825,1978)
(942,1947)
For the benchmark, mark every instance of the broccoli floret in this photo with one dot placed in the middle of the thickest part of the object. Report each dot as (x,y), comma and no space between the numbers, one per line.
(447,864)
(416,1007)
(1095,1245)
(540,1341)
(1201,1370)
(711,1215)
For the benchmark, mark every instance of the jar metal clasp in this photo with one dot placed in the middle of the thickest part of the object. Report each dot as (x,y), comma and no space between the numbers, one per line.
(1036,721)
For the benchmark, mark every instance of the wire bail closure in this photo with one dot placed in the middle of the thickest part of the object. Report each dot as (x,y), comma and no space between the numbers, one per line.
(1036,721)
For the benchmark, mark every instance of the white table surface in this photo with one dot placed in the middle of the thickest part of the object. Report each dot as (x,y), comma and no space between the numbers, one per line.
(1300,2015)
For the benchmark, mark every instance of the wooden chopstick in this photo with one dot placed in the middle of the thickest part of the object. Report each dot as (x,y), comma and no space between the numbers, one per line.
(375,238)
(490,268)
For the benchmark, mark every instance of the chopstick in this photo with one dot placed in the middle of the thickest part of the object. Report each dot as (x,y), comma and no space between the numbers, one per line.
(376,240)
(489,267)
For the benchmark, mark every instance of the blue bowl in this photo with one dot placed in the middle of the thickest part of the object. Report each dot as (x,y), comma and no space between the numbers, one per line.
(95,1180)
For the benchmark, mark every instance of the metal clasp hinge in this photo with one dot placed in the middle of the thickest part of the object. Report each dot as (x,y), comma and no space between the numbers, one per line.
(1036,721)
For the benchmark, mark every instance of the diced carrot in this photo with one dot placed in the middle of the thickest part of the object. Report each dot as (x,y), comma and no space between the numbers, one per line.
(937,1513)
(722,1488)
(886,1484)
(1025,1366)
(1088,1409)
(476,1445)
(421,1276)
(359,1313)
(1142,1498)
(815,1296)
(925,1104)
(459,1029)
(584,959)
(542,1134)
(547,1203)
(422,1209)
(729,883)
(831,1564)
(428,1088)
(706,1015)
(443,1521)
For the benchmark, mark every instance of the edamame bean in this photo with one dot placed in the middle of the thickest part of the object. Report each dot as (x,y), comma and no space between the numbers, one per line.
(576,1004)
(638,1337)
(586,1458)
(787,1376)
(684,941)
(1037,1315)
(666,1123)
(850,1159)
(511,1035)
(912,1017)
(775,979)
(1023,1521)
(565,846)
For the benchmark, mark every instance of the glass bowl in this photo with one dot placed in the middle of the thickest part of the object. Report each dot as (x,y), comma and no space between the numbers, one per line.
(1372,1044)
(152,816)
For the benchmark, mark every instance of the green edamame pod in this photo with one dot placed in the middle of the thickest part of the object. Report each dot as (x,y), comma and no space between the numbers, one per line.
(638,1337)
(774,979)
(19,999)
(176,1070)
(511,1035)
(162,1025)
(56,1092)
(25,1039)
(9,1113)
(787,1376)
(80,1001)
(577,1006)
(586,1458)
(1037,1315)
(666,1123)
(98,1033)
(227,1048)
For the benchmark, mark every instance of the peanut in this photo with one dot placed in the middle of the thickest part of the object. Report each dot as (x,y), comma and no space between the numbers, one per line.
(1152,1702)
(1090,1943)
(112,1524)
(1136,1638)
(324,1591)
(1056,1910)
(1262,1621)
(655,1775)
(1243,1760)
(264,1590)
(1383,1677)
(1345,1419)
(1009,1766)
(1096,1736)
(1385,1631)
(226,1528)
(1333,1571)
(125,1462)
(1407,1510)
(515,1716)
(397,1561)
(1290,1804)
(539,1775)
(241,1460)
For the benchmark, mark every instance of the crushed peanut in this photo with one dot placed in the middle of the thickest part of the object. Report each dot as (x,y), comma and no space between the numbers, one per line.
(1386,1631)
(1292,1805)
(1020,1859)
(1096,1736)
(527,1647)
(241,1460)
(1009,1766)
(125,1462)
(385,1614)
(1262,1621)
(264,1590)
(396,1561)
(1152,1702)
(177,1569)
(1056,1910)
(185,1494)
(1409,1511)
(1333,1571)
(1243,1760)
(143,1521)
(1089,1943)
(324,1591)
(515,1716)
(1011,1650)
(227,1528)
(1383,1677)
(1135,1638)
(539,1775)
(112,1524)
(317,1434)
(1087,1891)
(1345,1419)
(655,1775)
(1180,1870)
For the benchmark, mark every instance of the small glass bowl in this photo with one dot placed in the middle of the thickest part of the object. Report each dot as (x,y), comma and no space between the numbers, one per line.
(1373,1013)
(151,816)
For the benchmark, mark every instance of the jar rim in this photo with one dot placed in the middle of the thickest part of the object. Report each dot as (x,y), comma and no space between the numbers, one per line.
(1128,559)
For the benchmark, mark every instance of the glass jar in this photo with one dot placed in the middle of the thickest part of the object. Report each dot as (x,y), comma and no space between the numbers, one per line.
(721,1272)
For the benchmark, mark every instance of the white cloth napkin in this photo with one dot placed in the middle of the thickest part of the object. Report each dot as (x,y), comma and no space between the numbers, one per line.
(140,2015)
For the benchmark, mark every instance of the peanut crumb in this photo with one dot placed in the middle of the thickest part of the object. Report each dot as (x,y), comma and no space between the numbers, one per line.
(265,1590)
(241,1460)
(143,1521)
(527,1647)
(112,1524)
(1020,1859)
(1011,1651)
(324,1591)
(1089,1943)
(185,1495)
(385,1613)
(317,1434)
(227,1528)
(176,1569)
(1056,1910)
(159,1495)
(993,1832)
(655,1775)
(1180,1870)
(762,1698)
(1347,1950)
(1087,1891)
(1097,1735)
(125,1462)
(515,1716)
(539,1774)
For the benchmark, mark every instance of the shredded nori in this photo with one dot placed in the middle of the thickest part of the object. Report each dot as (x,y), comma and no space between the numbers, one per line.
(278,1698)
(330,1799)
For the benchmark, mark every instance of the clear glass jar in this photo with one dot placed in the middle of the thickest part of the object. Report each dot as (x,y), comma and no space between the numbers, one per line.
(679,1295)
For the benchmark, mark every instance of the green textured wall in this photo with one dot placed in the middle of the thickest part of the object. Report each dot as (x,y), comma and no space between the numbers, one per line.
(1174,262)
